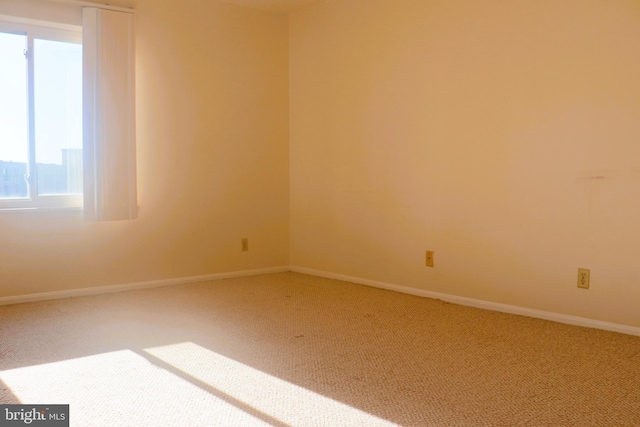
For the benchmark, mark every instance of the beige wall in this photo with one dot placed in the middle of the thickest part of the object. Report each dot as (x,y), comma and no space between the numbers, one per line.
(504,135)
(212,142)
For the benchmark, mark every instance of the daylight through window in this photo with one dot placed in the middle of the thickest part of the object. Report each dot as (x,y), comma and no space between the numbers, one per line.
(40,116)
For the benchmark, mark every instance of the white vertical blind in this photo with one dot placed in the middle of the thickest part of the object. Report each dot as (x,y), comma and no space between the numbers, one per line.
(109,115)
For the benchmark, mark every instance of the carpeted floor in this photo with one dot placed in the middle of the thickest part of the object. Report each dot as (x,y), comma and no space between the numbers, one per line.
(294,350)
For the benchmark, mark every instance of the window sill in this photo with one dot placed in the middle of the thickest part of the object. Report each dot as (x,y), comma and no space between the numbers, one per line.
(39,210)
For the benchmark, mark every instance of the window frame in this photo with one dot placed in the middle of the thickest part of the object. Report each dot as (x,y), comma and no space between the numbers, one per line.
(44,30)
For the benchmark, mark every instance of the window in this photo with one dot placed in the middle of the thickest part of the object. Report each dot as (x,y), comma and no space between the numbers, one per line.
(67,111)
(40,115)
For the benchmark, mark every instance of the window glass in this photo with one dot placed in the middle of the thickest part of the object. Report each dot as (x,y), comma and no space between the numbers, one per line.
(14,141)
(58,116)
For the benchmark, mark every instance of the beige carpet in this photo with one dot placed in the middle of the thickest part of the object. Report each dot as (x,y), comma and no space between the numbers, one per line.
(294,350)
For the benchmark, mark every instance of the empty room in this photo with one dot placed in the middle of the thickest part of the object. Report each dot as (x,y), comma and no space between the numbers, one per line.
(326,213)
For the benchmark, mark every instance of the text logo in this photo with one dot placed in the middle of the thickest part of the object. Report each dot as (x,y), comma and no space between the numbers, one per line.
(34,415)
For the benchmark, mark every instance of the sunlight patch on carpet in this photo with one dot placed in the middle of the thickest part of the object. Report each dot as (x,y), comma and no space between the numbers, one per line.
(275,398)
(123,388)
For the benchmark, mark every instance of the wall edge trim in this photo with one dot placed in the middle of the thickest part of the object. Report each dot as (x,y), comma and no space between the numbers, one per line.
(455,299)
(486,305)
(71,293)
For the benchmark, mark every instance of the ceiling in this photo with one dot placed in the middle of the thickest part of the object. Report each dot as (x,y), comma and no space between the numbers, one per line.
(284,6)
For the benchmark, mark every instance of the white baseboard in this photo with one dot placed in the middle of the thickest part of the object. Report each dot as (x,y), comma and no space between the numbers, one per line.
(18,299)
(487,305)
(454,299)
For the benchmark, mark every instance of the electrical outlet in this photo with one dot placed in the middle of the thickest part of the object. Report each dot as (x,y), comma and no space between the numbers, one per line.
(244,244)
(429,259)
(583,278)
